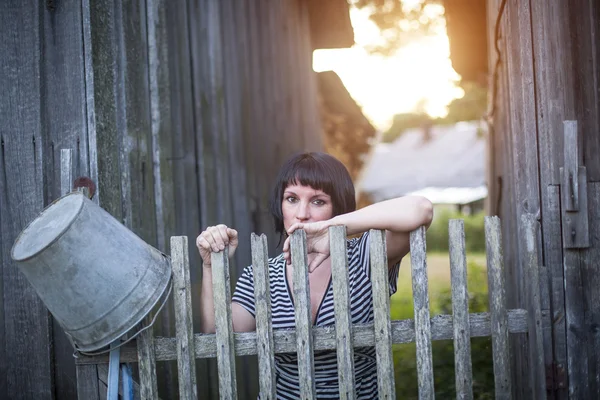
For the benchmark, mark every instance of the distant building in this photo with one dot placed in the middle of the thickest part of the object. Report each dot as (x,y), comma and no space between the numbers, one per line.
(446,164)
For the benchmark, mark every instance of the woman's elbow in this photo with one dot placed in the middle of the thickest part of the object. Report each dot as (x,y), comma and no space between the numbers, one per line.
(425,212)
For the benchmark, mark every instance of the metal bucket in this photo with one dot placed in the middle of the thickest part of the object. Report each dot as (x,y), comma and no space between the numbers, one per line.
(96,277)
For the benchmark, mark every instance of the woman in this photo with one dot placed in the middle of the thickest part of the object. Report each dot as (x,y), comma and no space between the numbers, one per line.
(314,191)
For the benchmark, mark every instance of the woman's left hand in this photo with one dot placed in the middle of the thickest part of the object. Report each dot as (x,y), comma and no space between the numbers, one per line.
(317,242)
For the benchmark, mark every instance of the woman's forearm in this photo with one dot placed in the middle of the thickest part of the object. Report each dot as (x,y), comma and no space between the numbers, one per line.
(402,214)
(207,308)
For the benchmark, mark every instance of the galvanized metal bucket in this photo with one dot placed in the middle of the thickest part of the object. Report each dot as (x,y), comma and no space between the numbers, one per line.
(96,277)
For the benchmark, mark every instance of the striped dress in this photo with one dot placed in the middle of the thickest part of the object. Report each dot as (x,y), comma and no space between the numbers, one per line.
(361,303)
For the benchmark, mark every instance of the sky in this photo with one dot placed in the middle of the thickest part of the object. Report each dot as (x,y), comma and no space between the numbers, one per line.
(418,74)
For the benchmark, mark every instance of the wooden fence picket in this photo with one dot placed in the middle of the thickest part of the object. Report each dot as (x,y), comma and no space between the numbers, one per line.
(420,286)
(460,310)
(341,305)
(264,325)
(224,325)
(497,296)
(304,333)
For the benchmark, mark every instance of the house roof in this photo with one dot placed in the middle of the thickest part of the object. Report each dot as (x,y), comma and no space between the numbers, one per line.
(452,157)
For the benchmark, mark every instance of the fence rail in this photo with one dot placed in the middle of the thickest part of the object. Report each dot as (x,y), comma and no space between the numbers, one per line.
(382,333)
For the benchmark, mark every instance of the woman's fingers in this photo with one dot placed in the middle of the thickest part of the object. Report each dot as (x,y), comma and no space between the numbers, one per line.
(317,261)
(295,227)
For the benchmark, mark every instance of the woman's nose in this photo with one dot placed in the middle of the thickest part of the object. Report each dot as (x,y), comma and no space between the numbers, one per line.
(302,212)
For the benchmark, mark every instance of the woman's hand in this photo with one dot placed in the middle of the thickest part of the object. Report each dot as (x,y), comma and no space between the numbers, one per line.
(317,242)
(215,238)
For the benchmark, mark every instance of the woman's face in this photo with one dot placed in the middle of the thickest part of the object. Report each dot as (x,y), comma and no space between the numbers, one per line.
(304,204)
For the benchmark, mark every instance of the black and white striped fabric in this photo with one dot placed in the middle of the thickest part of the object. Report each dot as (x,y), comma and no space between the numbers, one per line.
(361,303)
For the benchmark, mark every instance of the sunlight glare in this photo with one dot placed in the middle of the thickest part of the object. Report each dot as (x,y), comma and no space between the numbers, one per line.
(420,74)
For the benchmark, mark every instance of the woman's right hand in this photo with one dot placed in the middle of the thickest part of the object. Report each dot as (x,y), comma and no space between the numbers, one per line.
(215,238)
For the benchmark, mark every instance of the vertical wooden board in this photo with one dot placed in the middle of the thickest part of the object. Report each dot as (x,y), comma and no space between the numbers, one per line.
(553,259)
(296,103)
(303,316)
(460,310)
(381,311)
(244,36)
(232,84)
(554,82)
(341,305)
(197,164)
(3,231)
(264,325)
(266,159)
(577,351)
(147,363)
(64,122)
(591,279)
(418,263)
(534,308)
(136,150)
(28,360)
(497,295)
(224,325)
(65,126)
(162,131)
(525,160)
(87,382)
(108,104)
(583,19)
(186,364)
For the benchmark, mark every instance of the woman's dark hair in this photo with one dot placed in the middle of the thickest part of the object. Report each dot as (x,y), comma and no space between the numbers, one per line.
(319,171)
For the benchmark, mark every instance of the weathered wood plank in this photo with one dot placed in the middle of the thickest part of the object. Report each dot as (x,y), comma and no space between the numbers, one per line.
(460,310)
(188,34)
(87,381)
(66,171)
(591,278)
(28,358)
(341,305)
(303,314)
(577,353)
(186,364)
(381,314)
(224,324)
(264,325)
(553,256)
(324,337)
(109,104)
(420,287)
(3,230)
(536,339)
(148,387)
(497,296)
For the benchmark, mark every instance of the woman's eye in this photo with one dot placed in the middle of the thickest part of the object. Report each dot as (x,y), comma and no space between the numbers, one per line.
(318,202)
(290,199)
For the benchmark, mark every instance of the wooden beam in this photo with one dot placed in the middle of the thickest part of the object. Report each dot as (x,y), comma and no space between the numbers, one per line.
(324,337)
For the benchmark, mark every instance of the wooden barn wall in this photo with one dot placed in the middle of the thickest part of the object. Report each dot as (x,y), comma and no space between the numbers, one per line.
(549,73)
(180,111)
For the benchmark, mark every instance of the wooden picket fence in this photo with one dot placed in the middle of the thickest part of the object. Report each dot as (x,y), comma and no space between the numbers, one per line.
(344,337)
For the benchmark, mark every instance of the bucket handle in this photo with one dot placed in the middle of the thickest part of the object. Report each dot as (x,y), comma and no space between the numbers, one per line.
(97,353)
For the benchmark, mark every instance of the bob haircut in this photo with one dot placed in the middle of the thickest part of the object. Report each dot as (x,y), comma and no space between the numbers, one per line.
(320,171)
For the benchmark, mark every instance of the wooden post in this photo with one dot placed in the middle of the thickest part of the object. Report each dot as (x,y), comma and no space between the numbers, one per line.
(420,286)
(186,363)
(341,305)
(497,295)
(460,310)
(536,339)
(304,325)
(264,324)
(224,324)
